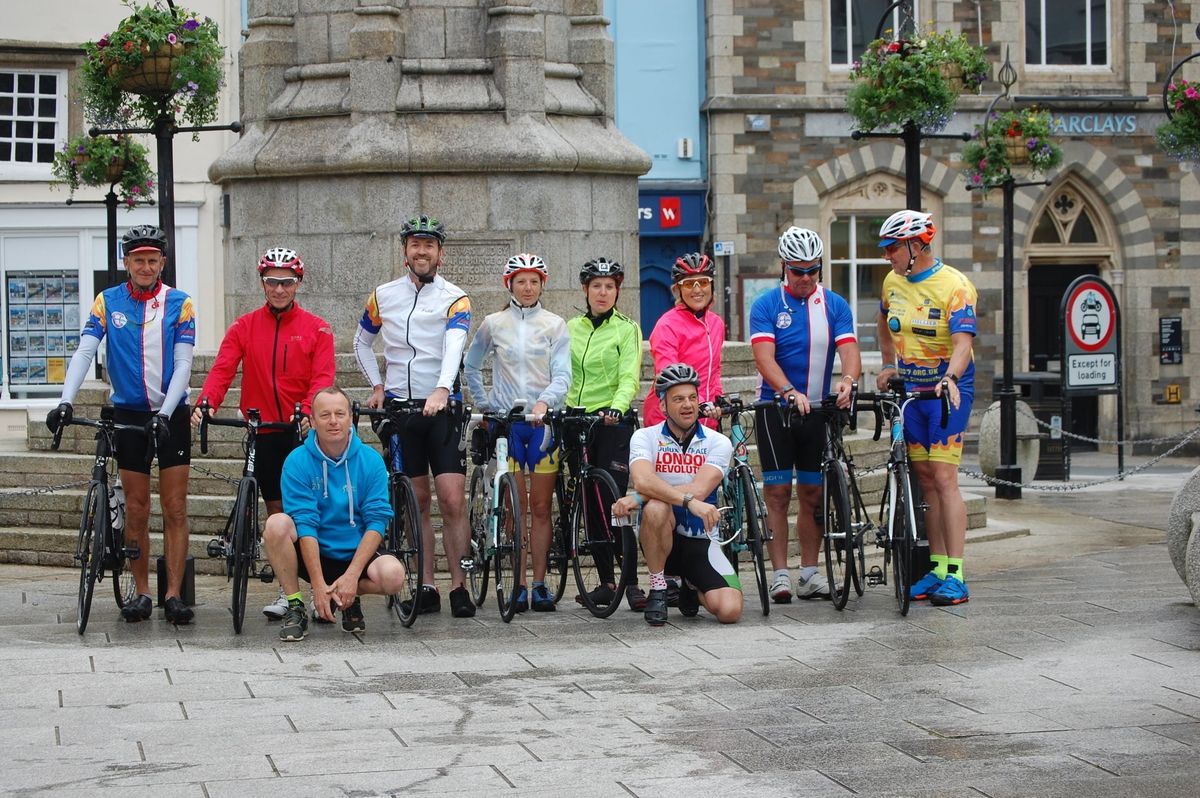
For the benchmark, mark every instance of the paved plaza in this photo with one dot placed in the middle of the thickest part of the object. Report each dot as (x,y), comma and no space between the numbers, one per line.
(1072,671)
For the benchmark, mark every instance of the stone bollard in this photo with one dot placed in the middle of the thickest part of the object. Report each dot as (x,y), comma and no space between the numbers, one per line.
(1181,542)
(1028,447)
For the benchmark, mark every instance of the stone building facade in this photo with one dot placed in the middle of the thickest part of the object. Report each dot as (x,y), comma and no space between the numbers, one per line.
(780,153)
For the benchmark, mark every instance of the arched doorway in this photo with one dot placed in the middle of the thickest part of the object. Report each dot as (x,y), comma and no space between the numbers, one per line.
(1070,237)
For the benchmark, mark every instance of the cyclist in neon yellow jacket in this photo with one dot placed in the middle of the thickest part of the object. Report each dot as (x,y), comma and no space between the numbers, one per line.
(606,364)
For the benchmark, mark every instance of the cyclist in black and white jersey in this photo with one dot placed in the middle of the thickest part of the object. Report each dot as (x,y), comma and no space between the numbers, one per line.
(677,467)
(423,320)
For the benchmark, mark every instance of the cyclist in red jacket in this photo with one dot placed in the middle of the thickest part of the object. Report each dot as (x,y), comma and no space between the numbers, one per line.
(286,355)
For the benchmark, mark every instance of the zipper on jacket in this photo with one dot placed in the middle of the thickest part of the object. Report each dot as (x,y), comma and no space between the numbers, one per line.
(407,340)
(274,371)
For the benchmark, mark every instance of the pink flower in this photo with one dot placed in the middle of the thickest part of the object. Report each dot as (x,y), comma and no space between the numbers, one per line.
(1191,93)
(103,42)
(983,163)
(1179,103)
(172,38)
(136,190)
(976,179)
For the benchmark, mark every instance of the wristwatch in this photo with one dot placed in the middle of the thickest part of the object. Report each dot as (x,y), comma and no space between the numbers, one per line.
(952,377)
(687,499)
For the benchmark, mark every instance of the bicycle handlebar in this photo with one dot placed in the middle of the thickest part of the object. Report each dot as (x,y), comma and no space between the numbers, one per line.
(206,418)
(105,423)
(897,395)
(515,414)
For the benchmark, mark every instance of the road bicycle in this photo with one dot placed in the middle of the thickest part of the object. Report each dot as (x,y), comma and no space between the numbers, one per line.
(844,518)
(743,526)
(240,543)
(403,539)
(101,544)
(599,553)
(494,510)
(896,530)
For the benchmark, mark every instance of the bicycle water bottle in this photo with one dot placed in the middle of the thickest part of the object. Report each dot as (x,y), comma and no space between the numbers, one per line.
(116,508)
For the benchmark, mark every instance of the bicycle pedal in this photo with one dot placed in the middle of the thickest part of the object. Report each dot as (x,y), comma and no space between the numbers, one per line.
(216,548)
(875,576)
(132,552)
(467,563)
(267,574)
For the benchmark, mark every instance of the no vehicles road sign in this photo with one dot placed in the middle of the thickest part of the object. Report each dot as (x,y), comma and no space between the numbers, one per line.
(1091,337)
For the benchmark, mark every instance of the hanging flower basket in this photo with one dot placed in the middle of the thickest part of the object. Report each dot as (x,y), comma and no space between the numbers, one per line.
(105,161)
(915,80)
(1020,137)
(159,59)
(1180,135)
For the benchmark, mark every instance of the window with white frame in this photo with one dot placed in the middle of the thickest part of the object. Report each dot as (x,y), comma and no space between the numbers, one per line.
(852,25)
(1070,33)
(33,121)
(856,270)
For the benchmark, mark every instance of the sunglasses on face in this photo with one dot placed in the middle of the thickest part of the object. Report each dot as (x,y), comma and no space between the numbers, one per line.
(800,270)
(695,282)
(280,282)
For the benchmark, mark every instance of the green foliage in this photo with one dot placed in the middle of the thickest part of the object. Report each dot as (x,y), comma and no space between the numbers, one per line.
(1180,135)
(986,157)
(149,30)
(902,81)
(85,161)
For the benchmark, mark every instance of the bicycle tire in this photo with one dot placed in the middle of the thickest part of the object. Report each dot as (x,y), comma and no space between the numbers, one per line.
(839,564)
(731,528)
(477,514)
(93,527)
(590,547)
(903,539)
(756,522)
(507,557)
(245,521)
(558,559)
(404,542)
(124,586)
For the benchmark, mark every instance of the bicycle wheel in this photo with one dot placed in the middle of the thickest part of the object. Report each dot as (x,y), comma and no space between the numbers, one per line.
(404,543)
(89,549)
(245,522)
(124,587)
(756,522)
(731,527)
(507,558)
(558,560)
(597,557)
(839,566)
(904,538)
(477,513)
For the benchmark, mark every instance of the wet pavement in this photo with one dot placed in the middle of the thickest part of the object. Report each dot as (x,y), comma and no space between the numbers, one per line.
(1072,671)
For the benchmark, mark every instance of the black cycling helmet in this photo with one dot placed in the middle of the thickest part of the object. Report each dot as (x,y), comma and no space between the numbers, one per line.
(423,227)
(693,264)
(675,374)
(142,236)
(601,267)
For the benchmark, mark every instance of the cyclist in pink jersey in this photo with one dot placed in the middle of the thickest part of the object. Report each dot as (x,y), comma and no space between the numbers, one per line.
(689,333)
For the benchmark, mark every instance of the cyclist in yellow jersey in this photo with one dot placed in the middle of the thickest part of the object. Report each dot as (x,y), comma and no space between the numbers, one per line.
(926,330)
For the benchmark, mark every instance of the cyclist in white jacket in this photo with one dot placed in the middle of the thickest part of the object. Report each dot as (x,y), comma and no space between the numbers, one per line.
(531,362)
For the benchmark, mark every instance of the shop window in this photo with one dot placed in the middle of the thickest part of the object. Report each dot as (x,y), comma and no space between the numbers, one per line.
(852,25)
(33,112)
(1067,32)
(856,270)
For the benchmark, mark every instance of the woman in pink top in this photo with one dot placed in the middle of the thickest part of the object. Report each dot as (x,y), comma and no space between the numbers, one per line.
(689,333)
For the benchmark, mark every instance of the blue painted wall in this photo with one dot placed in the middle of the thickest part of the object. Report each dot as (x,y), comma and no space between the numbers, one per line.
(659,46)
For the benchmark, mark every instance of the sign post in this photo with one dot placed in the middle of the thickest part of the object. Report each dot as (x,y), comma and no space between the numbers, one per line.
(1091,348)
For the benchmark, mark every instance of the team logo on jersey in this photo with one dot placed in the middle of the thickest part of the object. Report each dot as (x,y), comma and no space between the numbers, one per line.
(894,324)
(119,320)
(783,320)
(935,313)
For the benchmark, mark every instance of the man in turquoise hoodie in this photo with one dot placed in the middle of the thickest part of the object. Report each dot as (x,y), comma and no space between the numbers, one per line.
(335,511)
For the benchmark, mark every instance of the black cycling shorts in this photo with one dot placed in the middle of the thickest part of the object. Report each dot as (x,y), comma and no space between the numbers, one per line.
(429,444)
(702,562)
(784,449)
(270,450)
(131,444)
(331,569)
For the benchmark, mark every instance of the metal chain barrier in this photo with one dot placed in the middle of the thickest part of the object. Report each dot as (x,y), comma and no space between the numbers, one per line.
(1148,441)
(209,473)
(1081,485)
(10,492)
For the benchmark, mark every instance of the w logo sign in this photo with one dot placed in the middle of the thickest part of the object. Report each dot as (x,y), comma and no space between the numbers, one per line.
(669,214)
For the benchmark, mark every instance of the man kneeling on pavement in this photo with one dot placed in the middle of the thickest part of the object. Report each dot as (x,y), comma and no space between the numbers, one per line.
(335,511)
(676,468)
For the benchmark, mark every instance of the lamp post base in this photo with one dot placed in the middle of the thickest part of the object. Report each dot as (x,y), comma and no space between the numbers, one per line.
(1010,473)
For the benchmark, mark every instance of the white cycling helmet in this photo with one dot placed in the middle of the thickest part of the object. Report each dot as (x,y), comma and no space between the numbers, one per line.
(281,258)
(906,224)
(524,262)
(800,244)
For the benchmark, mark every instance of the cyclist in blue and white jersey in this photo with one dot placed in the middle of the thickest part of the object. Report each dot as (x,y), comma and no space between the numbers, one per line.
(150,328)
(794,333)
(423,320)
(676,468)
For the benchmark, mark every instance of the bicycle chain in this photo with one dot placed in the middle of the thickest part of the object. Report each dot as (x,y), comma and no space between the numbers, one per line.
(7,492)
(1078,437)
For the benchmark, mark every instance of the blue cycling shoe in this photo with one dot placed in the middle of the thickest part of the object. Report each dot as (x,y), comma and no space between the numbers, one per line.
(925,587)
(522,599)
(953,591)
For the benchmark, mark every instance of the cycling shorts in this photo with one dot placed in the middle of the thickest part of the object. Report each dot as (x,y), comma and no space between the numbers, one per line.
(923,432)
(702,562)
(429,443)
(525,449)
(331,569)
(131,444)
(270,450)
(784,448)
